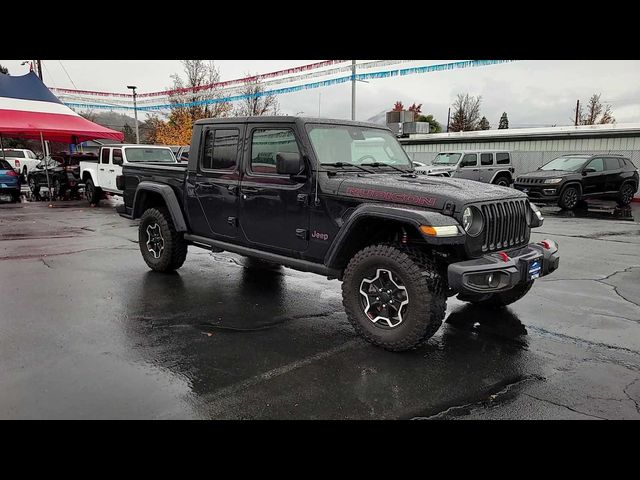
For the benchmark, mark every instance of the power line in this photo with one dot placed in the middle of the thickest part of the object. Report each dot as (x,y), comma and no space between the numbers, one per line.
(69,76)
(49,74)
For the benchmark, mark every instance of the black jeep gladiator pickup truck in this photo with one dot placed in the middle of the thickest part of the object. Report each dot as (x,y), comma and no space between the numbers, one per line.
(340,199)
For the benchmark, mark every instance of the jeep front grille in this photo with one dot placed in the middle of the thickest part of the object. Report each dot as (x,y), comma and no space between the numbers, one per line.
(505,225)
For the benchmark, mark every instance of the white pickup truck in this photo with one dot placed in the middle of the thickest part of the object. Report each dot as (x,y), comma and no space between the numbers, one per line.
(22,160)
(99,176)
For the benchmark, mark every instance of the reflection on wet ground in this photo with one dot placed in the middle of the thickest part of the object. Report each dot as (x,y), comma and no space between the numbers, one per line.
(597,209)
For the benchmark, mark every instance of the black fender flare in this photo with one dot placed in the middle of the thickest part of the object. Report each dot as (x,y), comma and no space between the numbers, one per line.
(502,172)
(408,216)
(170,200)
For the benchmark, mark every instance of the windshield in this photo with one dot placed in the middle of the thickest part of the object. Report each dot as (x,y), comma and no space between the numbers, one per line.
(356,145)
(14,153)
(570,164)
(138,154)
(446,159)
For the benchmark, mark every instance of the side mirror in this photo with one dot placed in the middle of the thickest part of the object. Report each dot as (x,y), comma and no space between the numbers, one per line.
(288,163)
(588,170)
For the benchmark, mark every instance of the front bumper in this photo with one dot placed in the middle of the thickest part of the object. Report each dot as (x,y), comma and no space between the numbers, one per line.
(540,193)
(501,271)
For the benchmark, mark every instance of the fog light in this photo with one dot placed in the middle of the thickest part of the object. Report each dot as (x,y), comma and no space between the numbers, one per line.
(549,191)
(487,281)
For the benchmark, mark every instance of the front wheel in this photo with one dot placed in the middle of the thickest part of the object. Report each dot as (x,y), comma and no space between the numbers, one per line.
(163,248)
(569,198)
(394,297)
(501,299)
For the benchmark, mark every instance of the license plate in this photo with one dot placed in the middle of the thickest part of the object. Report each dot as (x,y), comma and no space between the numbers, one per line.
(534,268)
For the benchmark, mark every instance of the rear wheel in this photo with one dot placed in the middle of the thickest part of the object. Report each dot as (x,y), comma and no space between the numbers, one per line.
(502,180)
(394,297)
(569,198)
(92,193)
(625,196)
(163,248)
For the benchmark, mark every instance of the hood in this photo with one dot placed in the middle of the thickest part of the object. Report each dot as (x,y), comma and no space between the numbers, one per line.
(546,174)
(430,192)
(437,168)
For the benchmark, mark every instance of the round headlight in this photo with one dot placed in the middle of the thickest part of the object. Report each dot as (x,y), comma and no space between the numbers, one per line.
(472,221)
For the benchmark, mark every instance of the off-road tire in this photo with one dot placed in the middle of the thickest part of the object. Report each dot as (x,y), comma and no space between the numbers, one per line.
(625,195)
(569,198)
(501,299)
(425,289)
(93,193)
(174,252)
(502,180)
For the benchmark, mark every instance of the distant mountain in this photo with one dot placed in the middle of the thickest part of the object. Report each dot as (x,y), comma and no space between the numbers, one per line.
(379,118)
(113,120)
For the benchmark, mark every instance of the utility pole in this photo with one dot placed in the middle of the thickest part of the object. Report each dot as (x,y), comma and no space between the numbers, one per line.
(448,117)
(39,68)
(135,110)
(577,110)
(353,89)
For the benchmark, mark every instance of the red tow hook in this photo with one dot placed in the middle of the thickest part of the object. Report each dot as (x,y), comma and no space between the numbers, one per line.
(545,244)
(503,256)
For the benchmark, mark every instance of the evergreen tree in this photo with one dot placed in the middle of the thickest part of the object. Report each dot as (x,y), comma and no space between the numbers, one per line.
(504,121)
(484,124)
(4,70)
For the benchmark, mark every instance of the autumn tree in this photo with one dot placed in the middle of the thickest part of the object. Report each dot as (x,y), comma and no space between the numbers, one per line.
(595,113)
(256,101)
(484,124)
(416,109)
(149,129)
(466,113)
(504,122)
(4,70)
(177,130)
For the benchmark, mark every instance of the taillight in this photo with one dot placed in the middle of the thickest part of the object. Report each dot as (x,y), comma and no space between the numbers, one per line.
(11,173)
(17,163)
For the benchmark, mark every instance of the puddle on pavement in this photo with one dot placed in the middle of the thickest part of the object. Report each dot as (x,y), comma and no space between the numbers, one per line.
(599,210)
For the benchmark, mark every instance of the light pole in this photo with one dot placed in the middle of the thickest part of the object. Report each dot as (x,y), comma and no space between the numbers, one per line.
(135,110)
(353,89)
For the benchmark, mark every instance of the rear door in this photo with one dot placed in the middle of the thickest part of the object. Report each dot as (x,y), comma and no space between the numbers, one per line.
(593,182)
(486,167)
(468,167)
(104,163)
(274,208)
(613,174)
(217,180)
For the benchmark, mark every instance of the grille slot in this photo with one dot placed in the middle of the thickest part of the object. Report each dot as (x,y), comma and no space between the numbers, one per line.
(505,225)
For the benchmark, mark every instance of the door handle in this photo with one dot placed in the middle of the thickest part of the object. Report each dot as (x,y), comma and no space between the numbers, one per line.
(250,190)
(204,186)
(476,170)
(102,169)
(112,170)
(490,169)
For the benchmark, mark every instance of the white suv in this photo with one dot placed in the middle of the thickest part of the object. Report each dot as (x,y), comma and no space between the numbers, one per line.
(488,166)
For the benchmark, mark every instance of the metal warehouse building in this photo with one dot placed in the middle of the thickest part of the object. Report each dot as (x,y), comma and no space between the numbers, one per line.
(532,147)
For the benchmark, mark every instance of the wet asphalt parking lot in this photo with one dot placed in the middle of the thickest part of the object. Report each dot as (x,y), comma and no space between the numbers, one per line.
(87,331)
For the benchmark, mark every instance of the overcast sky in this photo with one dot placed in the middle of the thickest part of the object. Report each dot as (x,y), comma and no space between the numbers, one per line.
(533,93)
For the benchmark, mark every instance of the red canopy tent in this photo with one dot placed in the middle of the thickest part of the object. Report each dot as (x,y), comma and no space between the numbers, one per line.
(28,109)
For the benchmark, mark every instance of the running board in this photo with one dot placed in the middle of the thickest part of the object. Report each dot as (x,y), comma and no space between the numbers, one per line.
(295,263)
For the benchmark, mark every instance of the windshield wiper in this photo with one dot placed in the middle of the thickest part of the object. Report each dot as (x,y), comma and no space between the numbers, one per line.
(343,164)
(381,164)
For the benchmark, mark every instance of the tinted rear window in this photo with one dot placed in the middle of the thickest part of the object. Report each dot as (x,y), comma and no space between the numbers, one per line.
(14,153)
(502,158)
(611,163)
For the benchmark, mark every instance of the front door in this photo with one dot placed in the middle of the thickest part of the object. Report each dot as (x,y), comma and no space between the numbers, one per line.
(104,165)
(593,182)
(274,208)
(468,167)
(217,179)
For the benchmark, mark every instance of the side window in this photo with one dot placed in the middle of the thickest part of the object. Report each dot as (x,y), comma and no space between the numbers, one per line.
(265,144)
(597,164)
(623,162)
(486,159)
(611,164)
(104,156)
(469,160)
(117,156)
(502,159)
(220,149)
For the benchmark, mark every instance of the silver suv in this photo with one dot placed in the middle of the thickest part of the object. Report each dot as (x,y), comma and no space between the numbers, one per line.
(488,166)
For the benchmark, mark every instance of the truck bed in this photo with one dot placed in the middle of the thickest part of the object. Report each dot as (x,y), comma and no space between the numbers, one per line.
(172,175)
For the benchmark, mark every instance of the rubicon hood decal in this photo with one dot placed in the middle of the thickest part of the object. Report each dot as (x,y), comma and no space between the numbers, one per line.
(394,197)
